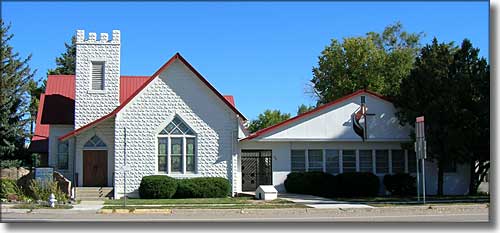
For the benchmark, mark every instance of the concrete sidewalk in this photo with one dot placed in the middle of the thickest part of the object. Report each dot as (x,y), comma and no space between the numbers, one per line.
(89,205)
(319,202)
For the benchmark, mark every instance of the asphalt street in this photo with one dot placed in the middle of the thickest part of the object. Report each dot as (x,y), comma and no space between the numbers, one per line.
(476,213)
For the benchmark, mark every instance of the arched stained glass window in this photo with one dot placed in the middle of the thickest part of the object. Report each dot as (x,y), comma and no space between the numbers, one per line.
(177,127)
(176,148)
(94,142)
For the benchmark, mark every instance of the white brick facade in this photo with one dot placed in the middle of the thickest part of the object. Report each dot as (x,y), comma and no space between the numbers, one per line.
(177,91)
(93,104)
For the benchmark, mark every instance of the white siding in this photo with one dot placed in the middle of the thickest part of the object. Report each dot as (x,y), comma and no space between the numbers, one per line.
(55,131)
(176,91)
(334,124)
(105,131)
(93,104)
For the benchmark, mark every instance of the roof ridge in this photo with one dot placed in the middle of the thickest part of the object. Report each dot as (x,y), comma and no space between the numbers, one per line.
(317,109)
(177,56)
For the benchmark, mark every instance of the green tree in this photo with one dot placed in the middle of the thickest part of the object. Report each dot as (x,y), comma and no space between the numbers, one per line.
(377,61)
(266,119)
(471,75)
(14,99)
(450,87)
(66,63)
(35,91)
(304,108)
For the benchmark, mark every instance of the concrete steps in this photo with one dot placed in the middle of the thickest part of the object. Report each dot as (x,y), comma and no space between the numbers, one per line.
(93,193)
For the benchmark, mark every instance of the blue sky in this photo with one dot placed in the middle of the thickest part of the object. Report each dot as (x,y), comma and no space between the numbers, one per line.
(260,52)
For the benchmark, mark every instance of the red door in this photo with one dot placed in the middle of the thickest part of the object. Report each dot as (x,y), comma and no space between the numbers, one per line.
(95,168)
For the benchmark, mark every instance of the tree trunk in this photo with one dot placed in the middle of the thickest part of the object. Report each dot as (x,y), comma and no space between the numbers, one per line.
(440,178)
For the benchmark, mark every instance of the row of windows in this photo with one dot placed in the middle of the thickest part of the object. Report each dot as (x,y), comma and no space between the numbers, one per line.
(338,161)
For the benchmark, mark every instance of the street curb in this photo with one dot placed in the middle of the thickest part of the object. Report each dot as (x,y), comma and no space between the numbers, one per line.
(135,211)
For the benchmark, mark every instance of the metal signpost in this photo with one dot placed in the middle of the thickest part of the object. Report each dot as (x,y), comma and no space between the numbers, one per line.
(124,168)
(421,153)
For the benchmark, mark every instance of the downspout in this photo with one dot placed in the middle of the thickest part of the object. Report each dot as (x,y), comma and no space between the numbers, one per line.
(75,176)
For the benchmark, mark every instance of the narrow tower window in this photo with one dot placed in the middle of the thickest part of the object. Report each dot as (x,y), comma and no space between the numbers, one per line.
(97,75)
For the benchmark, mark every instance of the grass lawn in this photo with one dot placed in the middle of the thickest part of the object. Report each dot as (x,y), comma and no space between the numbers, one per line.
(224,200)
(203,203)
(204,206)
(36,206)
(427,204)
(444,199)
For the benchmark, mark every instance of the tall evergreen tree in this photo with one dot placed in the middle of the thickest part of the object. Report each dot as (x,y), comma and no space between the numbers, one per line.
(14,99)
(35,91)
(450,87)
(66,63)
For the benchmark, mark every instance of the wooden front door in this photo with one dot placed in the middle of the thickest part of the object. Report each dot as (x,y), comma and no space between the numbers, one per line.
(95,168)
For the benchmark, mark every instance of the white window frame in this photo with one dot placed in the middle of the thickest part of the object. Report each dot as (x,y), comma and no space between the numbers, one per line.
(355,160)
(388,162)
(322,162)
(338,160)
(184,154)
(359,159)
(184,147)
(305,160)
(97,91)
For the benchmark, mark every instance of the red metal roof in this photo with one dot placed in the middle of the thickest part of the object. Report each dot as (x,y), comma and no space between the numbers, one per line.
(61,85)
(130,84)
(39,141)
(177,56)
(57,105)
(230,99)
(303,115)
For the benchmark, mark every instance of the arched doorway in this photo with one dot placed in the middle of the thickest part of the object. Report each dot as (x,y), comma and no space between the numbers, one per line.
(95,163)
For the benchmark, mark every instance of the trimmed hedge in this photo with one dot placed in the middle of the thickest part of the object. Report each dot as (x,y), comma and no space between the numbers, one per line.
(203,187)
(157,187)
(165,187)
(358,184)
(327,185)
(400,184)
(313,183)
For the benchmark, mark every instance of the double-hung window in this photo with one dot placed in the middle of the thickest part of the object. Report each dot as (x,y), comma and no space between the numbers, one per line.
(298,159)
(365,161)
(382,161)
(398,161)
(349,160)
(332,161)
(62,155)
(315,159)
(176,148)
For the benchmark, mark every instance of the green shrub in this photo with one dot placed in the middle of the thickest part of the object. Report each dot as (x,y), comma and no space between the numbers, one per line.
(8,186)
(358,184)
(203,187)
(400,184)
(10,163)
(157,186)
(313,183)
(41,190)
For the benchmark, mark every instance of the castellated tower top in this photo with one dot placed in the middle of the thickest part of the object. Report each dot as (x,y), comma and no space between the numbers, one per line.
(92,38)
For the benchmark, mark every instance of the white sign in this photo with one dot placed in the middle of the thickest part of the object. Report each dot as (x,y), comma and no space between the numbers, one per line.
(44,173)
